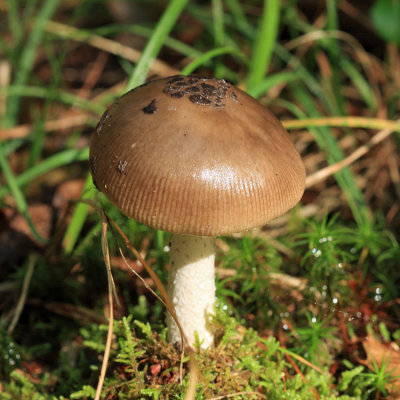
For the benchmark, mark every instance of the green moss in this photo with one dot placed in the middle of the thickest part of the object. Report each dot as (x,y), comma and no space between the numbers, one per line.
(145,366)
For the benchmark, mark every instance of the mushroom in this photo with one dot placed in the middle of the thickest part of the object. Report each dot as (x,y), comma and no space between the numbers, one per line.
(196,157)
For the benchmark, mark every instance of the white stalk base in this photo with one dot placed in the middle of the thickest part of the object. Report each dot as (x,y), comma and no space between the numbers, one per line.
(191,287)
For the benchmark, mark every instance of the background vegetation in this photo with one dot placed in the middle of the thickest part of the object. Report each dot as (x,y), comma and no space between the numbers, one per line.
(308,306)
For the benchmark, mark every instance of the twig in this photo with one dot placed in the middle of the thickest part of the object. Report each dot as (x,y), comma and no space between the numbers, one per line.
(93,75)
(23,296)
(5,78)
(8,286)
(77,313)
(225,396)
(357,50)
(301,359)
(193,378)
(324,173)
(296,368)
(53,125)
(356,13)
(157,67)
(111,289)
(349,122)
(139,276)
(287,281)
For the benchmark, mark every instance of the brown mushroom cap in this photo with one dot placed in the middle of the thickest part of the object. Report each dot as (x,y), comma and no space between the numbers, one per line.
(195,155)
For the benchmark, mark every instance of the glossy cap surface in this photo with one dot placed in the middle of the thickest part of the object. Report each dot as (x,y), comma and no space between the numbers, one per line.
(195,155)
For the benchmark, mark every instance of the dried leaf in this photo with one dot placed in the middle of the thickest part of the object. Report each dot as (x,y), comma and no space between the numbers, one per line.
(386,353)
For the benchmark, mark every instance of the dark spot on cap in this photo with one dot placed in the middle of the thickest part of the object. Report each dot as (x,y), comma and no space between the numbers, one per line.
(122,165)
(234,97)
(199,99)
(151,108)
(221,92)
(168,89)
(208,90)
(181,84)
(191,89)
(178,95)
(218,104)
(175,78)
(200,90)
(223,83)
(193,80)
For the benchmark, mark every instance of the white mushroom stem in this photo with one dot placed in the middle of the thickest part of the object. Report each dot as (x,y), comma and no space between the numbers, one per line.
(191,287)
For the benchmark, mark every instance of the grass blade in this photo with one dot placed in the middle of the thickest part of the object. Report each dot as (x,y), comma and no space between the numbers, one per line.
(50,163)
(270,81)
(62,97)
(327,142)
(265,42)
(304,75)
(79,217)
(14,21)
(146,32)
(18,195)
(219,34)
(153,46)
(239,18)
(27,58)
(110,46)
(334,52)
(207,56)
(360,83)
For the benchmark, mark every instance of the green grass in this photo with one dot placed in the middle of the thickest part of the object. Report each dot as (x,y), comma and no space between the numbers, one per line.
(264,44)
(18,196)
(295,301)
(25,61)
(155,42)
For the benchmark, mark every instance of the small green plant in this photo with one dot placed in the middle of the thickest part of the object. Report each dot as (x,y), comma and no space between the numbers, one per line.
(359,382)
(145,366)
(316,339)
(10,354)
(327,254)
(248,262)
(20,387)
(387,275)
